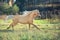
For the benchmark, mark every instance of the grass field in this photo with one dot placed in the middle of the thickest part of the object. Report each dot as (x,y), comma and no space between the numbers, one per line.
(21,31)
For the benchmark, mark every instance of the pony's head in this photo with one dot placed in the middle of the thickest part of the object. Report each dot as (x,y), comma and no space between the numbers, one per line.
(35,13)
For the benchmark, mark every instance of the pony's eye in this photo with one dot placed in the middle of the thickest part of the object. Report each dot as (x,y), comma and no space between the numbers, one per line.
(34,14)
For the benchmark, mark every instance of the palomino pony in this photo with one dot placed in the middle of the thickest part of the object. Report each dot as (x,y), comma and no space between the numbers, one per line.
(25,19)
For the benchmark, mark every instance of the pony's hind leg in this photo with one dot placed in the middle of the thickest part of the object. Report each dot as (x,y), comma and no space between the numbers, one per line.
(8,27)
(12,25)
(29,26)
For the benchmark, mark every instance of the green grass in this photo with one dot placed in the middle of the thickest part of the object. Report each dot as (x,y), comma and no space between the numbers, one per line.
(21,31)
(41,21)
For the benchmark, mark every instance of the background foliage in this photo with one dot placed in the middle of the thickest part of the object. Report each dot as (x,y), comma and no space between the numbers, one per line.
(6,9)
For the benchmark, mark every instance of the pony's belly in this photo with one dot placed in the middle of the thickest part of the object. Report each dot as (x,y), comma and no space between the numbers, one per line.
(23,21)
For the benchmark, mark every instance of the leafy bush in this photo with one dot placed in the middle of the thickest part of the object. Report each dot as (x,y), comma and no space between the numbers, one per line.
(15,9)
(5,8)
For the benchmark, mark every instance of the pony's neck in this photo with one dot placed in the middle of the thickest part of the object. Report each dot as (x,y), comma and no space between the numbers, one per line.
(31,15)
(27,14)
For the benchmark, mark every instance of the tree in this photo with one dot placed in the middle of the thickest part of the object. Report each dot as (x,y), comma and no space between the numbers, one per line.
(5,8)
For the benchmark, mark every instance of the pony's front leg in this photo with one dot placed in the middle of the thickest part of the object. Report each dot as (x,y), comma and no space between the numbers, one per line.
(35,26)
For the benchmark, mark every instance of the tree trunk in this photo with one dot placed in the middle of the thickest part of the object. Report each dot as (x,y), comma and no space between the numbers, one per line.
(10,2)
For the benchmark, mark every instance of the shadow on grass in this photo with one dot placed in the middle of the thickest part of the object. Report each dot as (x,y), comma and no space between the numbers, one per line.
(49,29)
(26,30)
(6,30)
(1,38)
